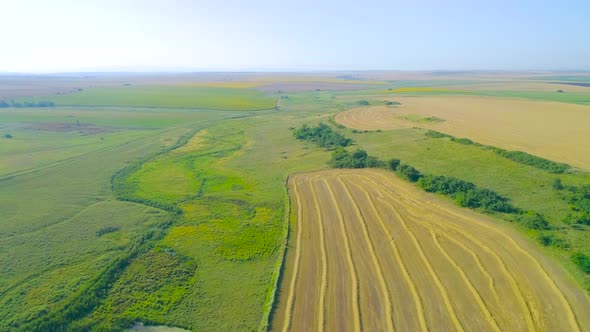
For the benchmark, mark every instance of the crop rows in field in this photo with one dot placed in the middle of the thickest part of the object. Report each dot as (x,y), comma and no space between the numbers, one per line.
(371,252)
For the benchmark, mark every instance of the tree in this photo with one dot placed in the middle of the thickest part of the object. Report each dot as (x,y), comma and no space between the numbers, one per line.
(557,185)
(533,220)
(582,261)
(7,136)
(393,164)
(409,173)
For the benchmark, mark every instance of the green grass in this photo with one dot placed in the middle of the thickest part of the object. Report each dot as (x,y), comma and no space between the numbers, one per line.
(582,98)
(232,226)
(47,137)
(52,211)
(194,97)
(233,219)
(149,287)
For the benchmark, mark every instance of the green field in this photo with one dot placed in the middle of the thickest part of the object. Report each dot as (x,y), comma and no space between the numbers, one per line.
(180,96)
(431,88)
(162,205)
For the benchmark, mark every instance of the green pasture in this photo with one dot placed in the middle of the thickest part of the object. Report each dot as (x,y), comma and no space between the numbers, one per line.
(169,96)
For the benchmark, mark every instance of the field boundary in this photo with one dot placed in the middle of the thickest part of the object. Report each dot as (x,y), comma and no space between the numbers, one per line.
(173,107)
(278,273)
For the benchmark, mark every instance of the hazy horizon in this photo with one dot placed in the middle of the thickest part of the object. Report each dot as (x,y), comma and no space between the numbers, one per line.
(191,36)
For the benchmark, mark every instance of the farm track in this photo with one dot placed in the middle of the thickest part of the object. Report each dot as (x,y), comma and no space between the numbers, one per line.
(374,253)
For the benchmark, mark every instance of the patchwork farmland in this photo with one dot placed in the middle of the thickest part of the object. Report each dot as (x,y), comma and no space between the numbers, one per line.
(513,124)
(371,252)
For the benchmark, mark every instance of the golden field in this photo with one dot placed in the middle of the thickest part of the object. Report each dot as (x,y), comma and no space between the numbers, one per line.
(371,252)
(553,130)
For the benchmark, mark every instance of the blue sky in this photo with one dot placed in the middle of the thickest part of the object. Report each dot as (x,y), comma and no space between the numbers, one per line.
(69,35)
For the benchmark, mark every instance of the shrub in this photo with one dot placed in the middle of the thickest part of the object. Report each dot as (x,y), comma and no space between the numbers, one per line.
(552,240)
(466,194)
(532,220)
(363,102)
(464,141)
(8,136)
(577,217)
(557,185)
(393,164)
(408,172)
(582,261)
(392,103)
(534,161)
(357,159)
(579,203)
(444,185)
(436,134)
(106,230)
(322,135)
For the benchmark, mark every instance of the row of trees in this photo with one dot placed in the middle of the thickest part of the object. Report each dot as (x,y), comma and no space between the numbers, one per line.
(516,156)
(12,103)
(464,193)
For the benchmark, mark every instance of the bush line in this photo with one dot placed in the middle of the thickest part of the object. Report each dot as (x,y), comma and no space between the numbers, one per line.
(516,156)
(272,295)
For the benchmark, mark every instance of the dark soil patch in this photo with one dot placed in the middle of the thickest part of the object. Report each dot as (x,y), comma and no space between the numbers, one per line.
(70,127)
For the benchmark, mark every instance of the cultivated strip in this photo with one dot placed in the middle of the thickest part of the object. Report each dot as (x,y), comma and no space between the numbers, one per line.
(510,277)
(351,267)
(324,260)
(443,291)
(480,302)
(398,257)
(292,284)
(376,264)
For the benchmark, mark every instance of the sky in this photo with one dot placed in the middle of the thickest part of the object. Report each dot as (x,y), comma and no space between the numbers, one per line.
(184,35)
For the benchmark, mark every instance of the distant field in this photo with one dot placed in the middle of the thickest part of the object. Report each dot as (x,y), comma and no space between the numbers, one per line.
(543,91)
(179,96)
(556,131)
(371,252)
(549,87)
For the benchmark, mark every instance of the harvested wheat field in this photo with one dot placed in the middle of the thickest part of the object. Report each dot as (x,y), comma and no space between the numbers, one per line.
(371,252)
(556,131)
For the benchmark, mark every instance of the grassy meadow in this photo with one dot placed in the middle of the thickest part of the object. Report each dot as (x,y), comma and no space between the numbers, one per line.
(169,96)
(161,204)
